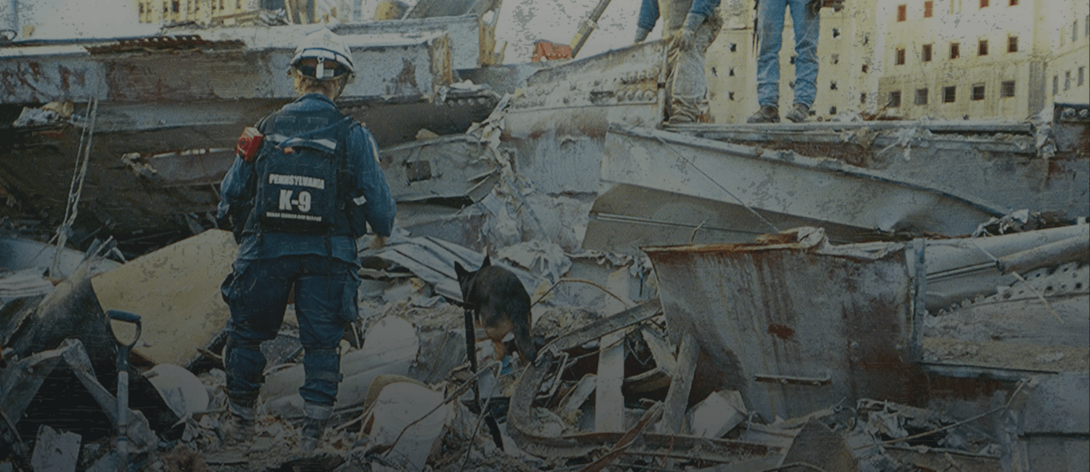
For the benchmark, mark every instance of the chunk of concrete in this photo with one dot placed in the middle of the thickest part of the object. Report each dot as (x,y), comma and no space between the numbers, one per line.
(176,291)
(183,391)
(55,451)
(717,414)
(410,419)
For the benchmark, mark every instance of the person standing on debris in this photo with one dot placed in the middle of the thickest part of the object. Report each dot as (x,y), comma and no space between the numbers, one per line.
(805,19)
(305,185)
(690,26)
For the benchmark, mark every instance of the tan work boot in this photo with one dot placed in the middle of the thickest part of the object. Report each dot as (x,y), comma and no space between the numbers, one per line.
(315,418)
(798,113)
(765,115)
(238,428)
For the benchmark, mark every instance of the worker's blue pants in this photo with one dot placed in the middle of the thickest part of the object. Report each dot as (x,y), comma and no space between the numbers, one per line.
(325,301)
(770,22)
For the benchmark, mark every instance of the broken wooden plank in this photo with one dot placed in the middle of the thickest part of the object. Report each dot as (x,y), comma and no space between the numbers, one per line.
(573,401)
(629,437)
(665,365)
(677,398)
(605,326)
(580,445)
(608,399)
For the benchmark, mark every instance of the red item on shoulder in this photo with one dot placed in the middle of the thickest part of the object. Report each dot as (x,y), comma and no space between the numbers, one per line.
(249,143)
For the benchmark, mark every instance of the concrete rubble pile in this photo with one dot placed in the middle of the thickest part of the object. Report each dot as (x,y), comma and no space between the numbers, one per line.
(838,296)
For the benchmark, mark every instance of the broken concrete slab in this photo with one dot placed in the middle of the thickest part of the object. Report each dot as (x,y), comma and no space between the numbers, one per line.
(176,292)
(409,419)
(55,451)
(182,390)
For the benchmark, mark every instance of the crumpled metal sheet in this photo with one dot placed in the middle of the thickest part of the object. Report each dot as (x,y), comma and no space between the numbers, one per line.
(795,326)
(770,190)
(433,260)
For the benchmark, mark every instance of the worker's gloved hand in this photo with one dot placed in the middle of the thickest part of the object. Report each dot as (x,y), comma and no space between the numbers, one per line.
(641,34)
(688,30)
(685,39)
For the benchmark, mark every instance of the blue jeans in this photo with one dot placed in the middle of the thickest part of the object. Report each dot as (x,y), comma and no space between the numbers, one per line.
(770,15)
(325,301)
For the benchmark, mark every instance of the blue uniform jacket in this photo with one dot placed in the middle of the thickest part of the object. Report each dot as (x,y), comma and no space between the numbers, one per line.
(370,182)
(649,11)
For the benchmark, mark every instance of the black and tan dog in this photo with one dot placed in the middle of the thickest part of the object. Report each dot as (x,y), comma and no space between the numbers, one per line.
(500,305)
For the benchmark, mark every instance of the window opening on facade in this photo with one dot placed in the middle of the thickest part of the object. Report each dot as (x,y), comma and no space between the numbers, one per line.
(978,92)
(949,94)
(921,96)
(895,99)
(955,50)
(1007,89)
(925,53)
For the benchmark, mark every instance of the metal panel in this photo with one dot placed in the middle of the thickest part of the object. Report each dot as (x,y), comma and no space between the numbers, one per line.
(795,327)
(454,167)
(785,183)
(588,94)
(967,156)
(388,65)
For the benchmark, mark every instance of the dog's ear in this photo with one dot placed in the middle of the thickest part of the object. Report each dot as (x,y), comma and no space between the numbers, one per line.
(460,271)
(487,262)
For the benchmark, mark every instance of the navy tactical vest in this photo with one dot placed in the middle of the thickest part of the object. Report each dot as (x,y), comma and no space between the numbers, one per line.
(298,172)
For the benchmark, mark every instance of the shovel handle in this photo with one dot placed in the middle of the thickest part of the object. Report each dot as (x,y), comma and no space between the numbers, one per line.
(126,317)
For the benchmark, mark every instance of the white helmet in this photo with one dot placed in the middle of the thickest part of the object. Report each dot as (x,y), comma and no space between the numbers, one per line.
(323,45)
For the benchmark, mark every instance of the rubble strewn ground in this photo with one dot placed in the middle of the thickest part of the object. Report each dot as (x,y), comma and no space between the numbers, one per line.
(837,296)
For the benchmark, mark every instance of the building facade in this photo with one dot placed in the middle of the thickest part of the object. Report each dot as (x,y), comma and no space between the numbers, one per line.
(226,11)
(181,11)
(979,59)
(1068,68)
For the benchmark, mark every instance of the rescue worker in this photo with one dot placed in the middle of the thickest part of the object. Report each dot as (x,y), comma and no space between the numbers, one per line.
(299,201)
(805,20)
(690,26)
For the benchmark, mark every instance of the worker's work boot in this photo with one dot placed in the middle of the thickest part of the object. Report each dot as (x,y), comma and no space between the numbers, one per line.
(798,113)
(765,115)
(315,418)
(239,426)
